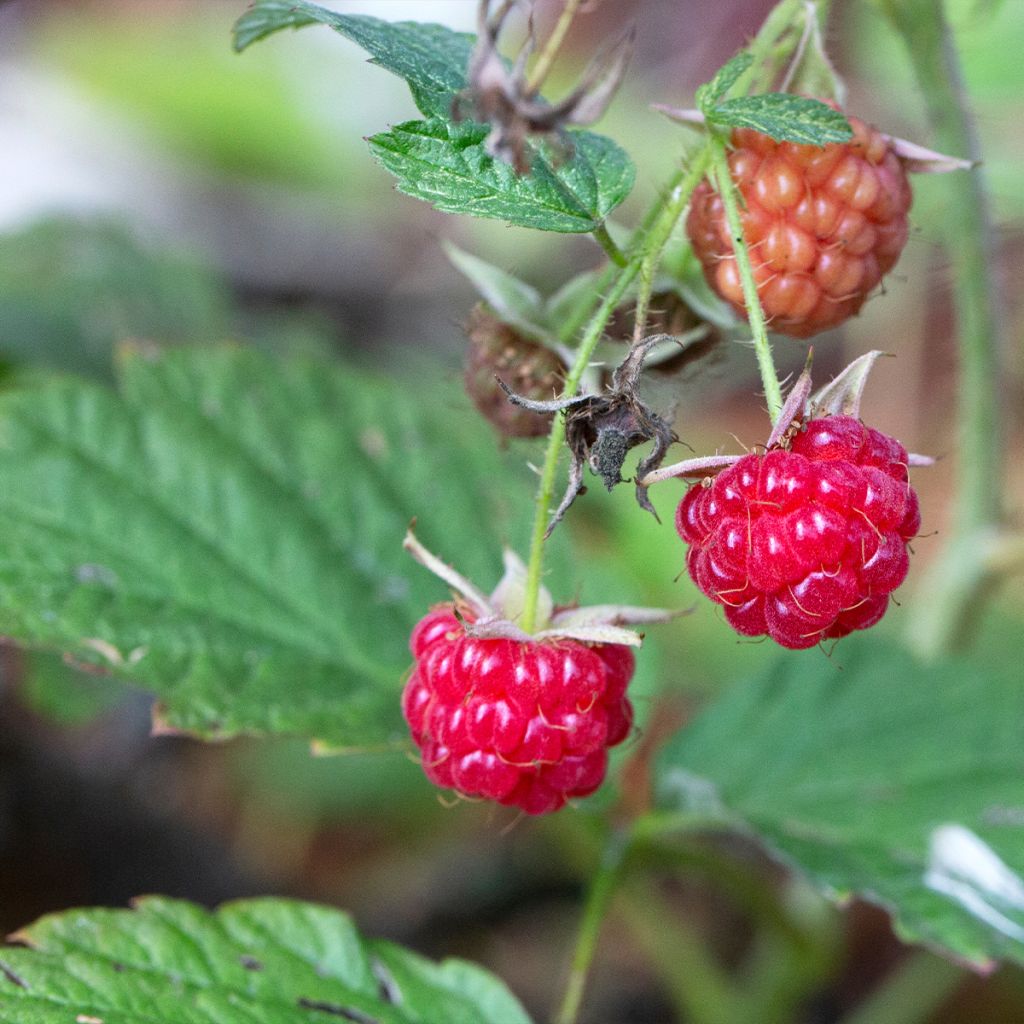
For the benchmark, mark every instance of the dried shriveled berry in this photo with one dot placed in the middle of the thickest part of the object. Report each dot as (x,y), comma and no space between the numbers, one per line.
(807,543)
(524,723)
(529,369)
(824,226)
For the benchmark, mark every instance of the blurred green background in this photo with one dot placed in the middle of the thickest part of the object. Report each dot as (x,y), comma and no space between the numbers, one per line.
(157,187)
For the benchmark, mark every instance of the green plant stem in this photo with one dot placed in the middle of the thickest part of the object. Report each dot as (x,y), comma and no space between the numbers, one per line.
(599,895)
(554,43)
(605,240)
(651,237)
(911,993)
(698,986)
(959,576)
(755,314)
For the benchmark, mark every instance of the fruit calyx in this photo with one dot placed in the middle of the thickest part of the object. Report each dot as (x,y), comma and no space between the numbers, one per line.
(841,397)
(916,159)
(496,616)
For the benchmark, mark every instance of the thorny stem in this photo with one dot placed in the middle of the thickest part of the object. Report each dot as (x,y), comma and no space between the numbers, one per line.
(959,576)
(755,314)
(650,239)
(554,43)
(599,894)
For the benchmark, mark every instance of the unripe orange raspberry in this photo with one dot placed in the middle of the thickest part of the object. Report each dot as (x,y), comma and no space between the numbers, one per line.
(824,225)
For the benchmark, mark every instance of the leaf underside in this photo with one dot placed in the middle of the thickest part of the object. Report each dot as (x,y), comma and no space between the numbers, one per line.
(265,961)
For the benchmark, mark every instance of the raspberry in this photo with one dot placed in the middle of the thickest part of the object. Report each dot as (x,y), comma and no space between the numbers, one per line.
(824,225)
(530,369)
(806,543)
(524,722)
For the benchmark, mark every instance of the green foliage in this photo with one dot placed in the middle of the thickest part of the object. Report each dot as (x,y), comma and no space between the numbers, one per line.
(444,162)
(784,117)
(872,772)
(272,961)
(226,531)
(431,58)
(781,115)
(70,289)
(710,94)
(515,302)
(65,696)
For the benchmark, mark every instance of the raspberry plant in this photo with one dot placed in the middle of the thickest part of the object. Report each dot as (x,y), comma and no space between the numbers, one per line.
(225,530)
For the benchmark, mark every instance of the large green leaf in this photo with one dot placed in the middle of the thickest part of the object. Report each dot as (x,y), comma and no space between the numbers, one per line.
(445,162)
(226,531)
(432,58)
(878,776)
(260,961)
(447,165)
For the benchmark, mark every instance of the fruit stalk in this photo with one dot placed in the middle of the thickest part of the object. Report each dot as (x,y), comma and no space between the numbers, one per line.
(599,894)
(649,241)
(726,188)
(554,43)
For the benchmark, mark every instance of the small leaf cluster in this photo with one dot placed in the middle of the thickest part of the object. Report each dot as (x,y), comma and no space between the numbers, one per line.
(782,115)
(443,160)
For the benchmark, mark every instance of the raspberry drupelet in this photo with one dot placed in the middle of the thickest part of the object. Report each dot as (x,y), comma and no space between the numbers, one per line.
(824,225)
(808,543)
(526,723)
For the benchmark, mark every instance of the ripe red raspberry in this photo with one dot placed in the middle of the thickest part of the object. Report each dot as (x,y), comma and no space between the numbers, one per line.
(808,543)
(824,225)
(525,723)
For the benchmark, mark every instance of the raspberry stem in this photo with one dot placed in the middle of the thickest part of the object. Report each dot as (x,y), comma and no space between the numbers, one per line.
(959,575)
(726,188)
(648,242)
(554,42)
(602,887)
(605,240)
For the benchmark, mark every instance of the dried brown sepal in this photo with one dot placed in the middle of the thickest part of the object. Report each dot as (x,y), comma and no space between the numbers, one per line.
(601,430)
(498,350)
(505,98)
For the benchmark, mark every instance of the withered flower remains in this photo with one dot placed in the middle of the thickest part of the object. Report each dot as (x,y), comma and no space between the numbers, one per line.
(601,429)
(505,97)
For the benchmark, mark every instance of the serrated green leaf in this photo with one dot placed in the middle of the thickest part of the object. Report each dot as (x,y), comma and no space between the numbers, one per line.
(709,94)
(874,774)
(784,117)
(268,961)
(444,162)
(432,58)
(515,302)
(226,531)
(446,165)
(55,690)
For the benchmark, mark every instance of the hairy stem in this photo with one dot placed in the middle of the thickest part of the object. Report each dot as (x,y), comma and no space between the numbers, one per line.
(554,43)
(605,240)
(755,314)
(651,238)
(599,894)
(959,576)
